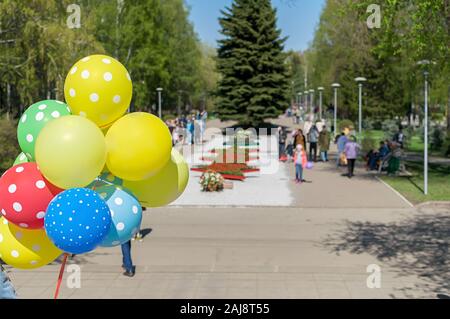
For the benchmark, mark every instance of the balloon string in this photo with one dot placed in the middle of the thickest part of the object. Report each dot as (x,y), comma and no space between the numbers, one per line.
(61,273)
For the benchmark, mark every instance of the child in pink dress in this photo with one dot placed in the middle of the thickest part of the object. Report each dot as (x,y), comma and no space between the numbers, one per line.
(300,162)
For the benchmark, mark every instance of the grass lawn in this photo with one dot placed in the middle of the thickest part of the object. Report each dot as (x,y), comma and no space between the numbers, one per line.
(412,188)
(375,134)
(415,145)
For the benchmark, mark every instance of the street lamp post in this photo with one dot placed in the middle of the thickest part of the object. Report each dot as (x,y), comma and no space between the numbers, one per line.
(360,81)
(425,125)
(425,64)
(335,86)
(320,101)
(311,99)
(159,102)
(299,101)
(179,102)
(306,100)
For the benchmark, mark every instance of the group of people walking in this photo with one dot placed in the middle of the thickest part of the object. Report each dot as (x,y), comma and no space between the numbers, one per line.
(319,141)
(295,147)
(188,129)
(304,149)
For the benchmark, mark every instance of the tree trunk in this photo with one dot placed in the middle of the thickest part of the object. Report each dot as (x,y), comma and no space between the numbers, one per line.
(448,112)
(8,100)
(179,104)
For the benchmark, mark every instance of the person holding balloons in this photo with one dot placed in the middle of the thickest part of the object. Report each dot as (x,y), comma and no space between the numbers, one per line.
(127,262)
(6,288)
(85,171)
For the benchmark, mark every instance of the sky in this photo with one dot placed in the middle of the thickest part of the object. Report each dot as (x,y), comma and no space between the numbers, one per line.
(296,18)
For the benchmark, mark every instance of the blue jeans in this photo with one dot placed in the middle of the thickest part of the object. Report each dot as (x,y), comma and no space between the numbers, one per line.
(298,172)
(126,256)
(324,155)
(6,287)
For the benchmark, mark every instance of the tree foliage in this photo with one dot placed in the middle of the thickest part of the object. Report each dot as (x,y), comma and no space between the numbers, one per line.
(154,40)
(344,48)
(36,50)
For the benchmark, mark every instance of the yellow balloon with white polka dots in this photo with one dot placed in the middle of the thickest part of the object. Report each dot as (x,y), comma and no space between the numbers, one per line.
(25,249)
(98,87)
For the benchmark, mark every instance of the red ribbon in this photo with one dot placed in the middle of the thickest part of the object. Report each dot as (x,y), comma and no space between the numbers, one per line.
(61,274)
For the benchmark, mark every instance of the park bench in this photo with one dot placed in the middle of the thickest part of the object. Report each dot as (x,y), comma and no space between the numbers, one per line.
(402,172)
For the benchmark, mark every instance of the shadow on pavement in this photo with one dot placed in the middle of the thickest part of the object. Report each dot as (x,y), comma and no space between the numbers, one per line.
(86,258)
(330,167)
(417,246)
(145,232)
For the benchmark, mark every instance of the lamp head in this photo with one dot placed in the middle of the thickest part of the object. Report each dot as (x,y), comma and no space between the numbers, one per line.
(360,79)
(425,62)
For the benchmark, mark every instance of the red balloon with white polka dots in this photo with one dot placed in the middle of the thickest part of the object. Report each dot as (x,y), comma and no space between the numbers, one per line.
(25,195)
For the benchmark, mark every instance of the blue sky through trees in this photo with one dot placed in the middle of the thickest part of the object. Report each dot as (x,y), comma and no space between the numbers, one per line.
(296,18)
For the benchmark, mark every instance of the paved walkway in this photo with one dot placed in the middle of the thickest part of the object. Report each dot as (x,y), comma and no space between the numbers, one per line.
(327,188)
(269,187)
(318,247)
(253,253)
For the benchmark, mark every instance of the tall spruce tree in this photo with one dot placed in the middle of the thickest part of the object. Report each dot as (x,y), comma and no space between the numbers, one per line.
(254,83)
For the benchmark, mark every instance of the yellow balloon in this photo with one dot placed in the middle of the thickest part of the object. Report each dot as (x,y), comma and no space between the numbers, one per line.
(25,249)
(139,146)
(71,151)
(166,186)
(99,88)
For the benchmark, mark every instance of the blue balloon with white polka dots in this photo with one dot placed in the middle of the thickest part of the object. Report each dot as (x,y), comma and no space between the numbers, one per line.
(126,214)
(77,220)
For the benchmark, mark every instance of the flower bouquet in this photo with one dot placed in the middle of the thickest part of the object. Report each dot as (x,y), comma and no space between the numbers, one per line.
(211,181)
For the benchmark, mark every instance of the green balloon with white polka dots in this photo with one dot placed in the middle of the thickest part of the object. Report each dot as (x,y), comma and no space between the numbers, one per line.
(33,121)
(20,159)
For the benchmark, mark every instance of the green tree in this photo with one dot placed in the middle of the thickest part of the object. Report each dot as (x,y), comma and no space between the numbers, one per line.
(254,83)
(344,48)
(296,70)
(8,141)
(36,51)
(157,43)
(154,39)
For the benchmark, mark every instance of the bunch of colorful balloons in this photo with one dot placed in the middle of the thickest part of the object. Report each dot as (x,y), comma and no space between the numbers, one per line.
(85,169)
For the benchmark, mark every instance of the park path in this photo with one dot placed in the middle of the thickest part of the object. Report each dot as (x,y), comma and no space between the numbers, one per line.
(327,188)
(269,187)
(253,253)
(274,186)
(318,247)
